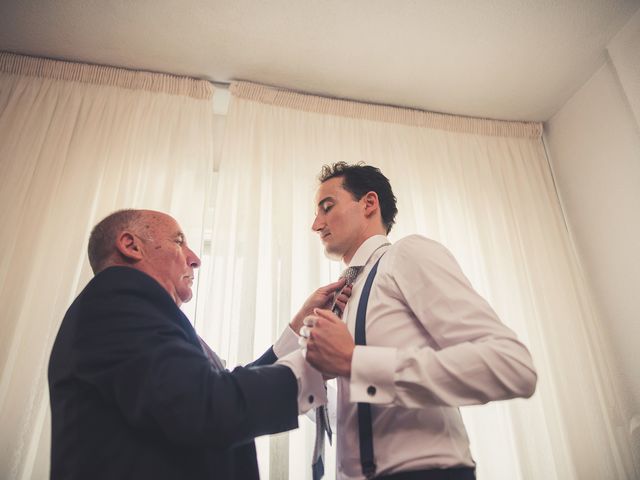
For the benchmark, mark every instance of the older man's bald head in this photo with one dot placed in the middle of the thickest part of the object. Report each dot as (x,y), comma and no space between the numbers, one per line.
(149,241)
(102,241)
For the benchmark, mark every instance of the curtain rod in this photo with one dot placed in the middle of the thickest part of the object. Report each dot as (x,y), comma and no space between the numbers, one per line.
(386,113)
(216,83)
(226,85)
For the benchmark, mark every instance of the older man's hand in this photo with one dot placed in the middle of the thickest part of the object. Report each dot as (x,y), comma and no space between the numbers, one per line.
(329,345)
(323,297)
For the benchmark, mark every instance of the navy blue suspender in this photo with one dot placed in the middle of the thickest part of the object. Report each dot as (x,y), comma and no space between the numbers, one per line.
(365,429)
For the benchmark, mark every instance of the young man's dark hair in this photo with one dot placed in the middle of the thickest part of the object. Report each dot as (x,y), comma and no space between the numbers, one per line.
(360,179)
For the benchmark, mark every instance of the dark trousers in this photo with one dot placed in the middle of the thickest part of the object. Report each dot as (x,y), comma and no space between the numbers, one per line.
(462,473)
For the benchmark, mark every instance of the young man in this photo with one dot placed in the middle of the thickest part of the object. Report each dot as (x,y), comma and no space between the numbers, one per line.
(135,393)
(432,343)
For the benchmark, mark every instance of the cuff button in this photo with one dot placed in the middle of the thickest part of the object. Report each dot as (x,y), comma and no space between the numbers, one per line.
(371,390)
(310,398)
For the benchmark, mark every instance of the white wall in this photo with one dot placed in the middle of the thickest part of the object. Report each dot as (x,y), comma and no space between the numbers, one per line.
(593,143)
(624,51)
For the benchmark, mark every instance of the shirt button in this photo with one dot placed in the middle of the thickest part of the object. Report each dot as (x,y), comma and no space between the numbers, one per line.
(371,390)
(310,398)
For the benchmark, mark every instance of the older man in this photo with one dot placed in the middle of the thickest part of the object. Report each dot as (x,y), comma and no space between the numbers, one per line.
(135,393)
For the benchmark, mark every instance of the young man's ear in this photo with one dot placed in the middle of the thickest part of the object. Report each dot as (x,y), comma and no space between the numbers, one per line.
(371,203)
(129,246)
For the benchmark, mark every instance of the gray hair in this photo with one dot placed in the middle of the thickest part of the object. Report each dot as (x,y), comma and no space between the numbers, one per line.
(103,237)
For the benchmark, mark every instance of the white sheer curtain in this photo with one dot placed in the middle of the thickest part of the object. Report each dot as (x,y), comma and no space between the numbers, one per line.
(482,188)
(76,143)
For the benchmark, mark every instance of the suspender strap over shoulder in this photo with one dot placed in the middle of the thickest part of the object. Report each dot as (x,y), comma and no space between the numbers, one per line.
(365,428)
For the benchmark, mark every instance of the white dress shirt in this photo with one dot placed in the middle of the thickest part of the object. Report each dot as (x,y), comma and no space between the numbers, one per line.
(433,344)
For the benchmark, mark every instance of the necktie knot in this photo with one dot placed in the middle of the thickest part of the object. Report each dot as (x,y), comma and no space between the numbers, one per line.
(351,273)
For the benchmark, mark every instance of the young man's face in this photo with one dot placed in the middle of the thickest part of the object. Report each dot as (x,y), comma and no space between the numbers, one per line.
(340,220)
(168,258)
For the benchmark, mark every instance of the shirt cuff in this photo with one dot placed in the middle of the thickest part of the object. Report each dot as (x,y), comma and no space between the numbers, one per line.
(372,374)
(287,343)
(311,390)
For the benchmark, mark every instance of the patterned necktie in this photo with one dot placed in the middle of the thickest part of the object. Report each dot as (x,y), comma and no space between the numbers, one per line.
(322,412)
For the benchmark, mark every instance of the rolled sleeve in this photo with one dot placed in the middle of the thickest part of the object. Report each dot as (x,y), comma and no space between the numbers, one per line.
(311,390)
(372,374)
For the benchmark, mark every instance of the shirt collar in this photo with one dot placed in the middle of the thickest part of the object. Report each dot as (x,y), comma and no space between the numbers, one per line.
(366,249)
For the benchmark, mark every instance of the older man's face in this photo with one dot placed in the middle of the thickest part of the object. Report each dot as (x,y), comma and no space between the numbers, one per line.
(167,257)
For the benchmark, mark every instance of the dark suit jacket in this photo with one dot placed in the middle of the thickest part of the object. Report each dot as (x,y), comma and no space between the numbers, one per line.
(134,396)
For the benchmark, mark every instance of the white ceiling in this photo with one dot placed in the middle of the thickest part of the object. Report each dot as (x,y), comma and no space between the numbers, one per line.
(503,59)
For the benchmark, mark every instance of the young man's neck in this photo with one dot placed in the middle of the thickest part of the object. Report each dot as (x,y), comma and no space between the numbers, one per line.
(346,259)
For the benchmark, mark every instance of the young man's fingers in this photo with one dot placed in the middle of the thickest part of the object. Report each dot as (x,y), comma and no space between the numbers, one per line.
(326,314)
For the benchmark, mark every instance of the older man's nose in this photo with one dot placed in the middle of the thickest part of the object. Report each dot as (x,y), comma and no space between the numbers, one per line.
(193,260)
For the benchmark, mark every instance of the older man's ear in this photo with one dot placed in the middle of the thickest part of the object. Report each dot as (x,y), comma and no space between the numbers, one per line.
(128,245)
